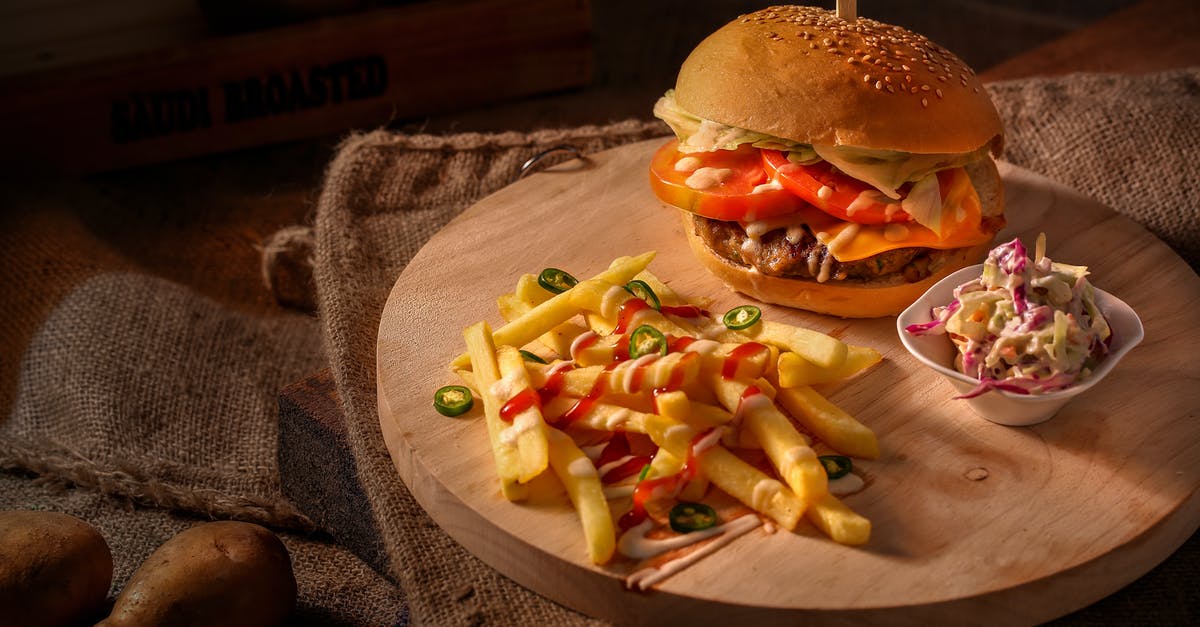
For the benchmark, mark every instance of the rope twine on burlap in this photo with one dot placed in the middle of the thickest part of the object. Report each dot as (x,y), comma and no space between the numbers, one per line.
(128,482)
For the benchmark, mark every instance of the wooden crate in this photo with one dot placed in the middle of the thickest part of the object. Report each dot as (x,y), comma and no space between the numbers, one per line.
(309,79)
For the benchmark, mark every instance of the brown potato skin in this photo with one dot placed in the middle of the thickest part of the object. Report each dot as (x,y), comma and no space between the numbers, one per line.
(55,569)
(218,573)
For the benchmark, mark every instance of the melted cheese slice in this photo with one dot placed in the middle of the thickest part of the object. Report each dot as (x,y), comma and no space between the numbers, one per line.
(960,225)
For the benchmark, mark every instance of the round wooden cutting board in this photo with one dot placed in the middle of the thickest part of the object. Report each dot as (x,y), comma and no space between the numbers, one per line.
(970,519)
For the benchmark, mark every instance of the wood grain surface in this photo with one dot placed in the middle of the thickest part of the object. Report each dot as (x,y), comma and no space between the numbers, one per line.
(1067,512)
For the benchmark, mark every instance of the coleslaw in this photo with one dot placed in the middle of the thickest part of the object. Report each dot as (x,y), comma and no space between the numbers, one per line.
(1027,326)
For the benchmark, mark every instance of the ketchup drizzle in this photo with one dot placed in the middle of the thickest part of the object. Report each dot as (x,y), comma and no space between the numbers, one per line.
(743,352)
(628,469)
(646,487)
(683,311)
(520,402)
(585,404)
(554,383)
(679,344)
(583,342)
(617,448)
(626,313)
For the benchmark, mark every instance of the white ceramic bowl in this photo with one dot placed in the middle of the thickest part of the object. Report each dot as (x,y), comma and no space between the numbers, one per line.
(1006,408)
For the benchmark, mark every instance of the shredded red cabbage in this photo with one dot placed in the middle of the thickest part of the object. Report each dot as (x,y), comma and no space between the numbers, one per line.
(1021,385)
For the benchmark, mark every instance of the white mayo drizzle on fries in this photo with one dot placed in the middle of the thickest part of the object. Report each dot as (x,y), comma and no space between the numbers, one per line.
(764,491)
(611,300)
(703,347)
(613,464)
(708,441)
(582,467)
(618,419)
(729,532)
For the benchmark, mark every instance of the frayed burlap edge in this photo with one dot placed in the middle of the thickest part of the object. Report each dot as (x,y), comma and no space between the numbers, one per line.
(126,481)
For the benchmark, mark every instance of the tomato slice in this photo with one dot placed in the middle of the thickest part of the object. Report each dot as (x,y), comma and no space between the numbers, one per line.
(837,194)
(728,190)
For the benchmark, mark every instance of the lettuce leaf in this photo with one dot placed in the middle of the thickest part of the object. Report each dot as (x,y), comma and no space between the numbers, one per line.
(885,170)
(699,135)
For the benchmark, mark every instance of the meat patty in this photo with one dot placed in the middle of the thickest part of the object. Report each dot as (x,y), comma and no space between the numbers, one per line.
(798,254)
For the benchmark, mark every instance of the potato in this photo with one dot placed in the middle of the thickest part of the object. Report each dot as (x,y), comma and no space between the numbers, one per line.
(218,573)
(55,569)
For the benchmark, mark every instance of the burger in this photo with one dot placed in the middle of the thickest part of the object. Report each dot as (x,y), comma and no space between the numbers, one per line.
(833,165)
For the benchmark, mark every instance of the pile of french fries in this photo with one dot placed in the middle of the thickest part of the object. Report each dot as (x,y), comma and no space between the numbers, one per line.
(676,399)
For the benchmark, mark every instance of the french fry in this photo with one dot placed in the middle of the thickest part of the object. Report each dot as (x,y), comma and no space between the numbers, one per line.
(727,471)
(632,376)
(838,521)
(664,464)
(579,477)
(789,451)
(511,306)
(528,429)
(468,379)
(558,339)
(666,295)
(795,370)
(530,291)
(599,416)
(740,361)
(486,372)
(572,381)
(823,350)
(605,299)
(558,309)
(829,422)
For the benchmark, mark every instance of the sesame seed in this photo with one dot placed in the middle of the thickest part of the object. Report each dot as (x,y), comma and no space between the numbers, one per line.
(891,89)
(938,92)
(924,87)
(906,68)
(924,102)
(879,85)
(913,90)
(866,78)
(908,77)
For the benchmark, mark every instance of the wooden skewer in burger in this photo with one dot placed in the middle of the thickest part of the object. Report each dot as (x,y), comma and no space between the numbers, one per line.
(837,165)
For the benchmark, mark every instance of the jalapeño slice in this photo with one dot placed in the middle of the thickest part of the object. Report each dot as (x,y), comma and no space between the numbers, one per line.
(646,340)
(556,281)
(687,517)
(528,356)
(453,400)
(741,317)
(836,466)
(642,290)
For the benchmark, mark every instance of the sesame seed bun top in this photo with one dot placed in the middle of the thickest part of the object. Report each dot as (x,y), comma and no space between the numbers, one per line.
(804,74)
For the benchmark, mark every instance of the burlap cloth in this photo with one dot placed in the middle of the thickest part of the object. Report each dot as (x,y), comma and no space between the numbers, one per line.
(144,405)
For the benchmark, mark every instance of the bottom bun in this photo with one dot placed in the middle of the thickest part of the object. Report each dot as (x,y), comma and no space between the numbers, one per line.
(874,299)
